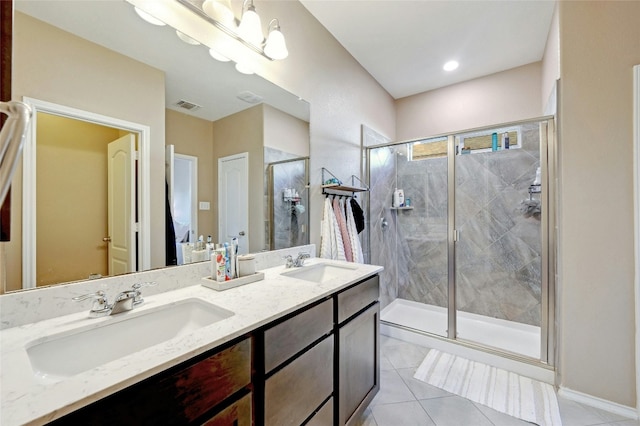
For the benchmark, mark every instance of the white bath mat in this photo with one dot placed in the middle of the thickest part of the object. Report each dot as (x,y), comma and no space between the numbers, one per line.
(507,392)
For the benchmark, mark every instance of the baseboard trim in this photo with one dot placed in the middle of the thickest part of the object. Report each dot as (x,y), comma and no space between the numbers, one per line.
(602,404)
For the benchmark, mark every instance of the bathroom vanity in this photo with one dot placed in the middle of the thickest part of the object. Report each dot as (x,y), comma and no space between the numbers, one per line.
(300,347)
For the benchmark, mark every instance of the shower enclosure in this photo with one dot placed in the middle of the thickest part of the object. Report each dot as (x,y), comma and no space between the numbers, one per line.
(467,256)
(287,197)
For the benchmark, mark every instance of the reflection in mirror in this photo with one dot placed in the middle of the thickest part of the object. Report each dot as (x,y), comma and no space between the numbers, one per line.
(101,58)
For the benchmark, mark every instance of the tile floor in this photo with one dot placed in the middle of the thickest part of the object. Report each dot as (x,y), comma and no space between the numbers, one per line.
(403,400)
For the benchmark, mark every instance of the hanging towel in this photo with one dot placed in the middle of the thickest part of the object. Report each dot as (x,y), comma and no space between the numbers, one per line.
(338,209)
(356,248)
(358,215)
(331,246)
(326,230)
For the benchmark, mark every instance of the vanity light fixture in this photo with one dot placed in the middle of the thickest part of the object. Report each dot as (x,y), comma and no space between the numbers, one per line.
(250,28)
(275,46)
(150,19)
(450,66)
(221,11)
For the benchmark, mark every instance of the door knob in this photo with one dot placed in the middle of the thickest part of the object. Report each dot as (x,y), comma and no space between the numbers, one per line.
(107,239)
(241,233)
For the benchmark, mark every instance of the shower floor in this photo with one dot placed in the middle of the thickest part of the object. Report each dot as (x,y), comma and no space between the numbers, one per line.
(522,339)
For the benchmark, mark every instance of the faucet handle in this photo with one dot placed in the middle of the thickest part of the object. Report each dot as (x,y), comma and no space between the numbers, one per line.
(138,294)
(100,303)
(289,260)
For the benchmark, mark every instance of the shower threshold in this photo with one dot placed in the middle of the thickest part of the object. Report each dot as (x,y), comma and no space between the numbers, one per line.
(510,336)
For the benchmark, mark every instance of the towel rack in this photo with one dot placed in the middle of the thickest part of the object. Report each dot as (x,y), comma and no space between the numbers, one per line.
(334,186)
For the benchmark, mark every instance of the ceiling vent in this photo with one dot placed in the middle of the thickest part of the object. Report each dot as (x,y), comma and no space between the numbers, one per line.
(190,106)
(249,97)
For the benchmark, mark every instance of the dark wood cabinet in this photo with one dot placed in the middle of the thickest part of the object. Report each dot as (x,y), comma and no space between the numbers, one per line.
(182,395)
(317,366)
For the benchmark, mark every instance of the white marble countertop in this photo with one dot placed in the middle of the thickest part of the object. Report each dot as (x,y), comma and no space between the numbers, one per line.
(25,399)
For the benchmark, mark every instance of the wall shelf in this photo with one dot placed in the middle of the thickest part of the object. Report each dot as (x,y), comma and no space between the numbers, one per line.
(402,208)
(333,185)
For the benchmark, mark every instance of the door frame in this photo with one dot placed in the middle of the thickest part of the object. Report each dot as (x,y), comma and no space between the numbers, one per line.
(636,184)
(29,182)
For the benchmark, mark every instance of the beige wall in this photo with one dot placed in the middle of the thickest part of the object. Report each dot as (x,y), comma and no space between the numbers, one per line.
(285,132)
(194,136)
(237,133)
(55,66)
(498,98)
(598,47)
(343,96)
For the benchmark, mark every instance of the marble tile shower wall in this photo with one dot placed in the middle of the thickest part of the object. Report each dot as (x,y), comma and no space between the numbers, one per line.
(499,251)
(290,218)
(498,256)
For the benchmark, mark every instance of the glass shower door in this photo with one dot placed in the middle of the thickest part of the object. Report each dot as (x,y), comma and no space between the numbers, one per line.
(498,248)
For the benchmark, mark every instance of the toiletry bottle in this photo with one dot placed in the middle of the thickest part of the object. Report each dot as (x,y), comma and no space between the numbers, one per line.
(494,142)
(227,261)
(505,140)
(396,199)
(400,198)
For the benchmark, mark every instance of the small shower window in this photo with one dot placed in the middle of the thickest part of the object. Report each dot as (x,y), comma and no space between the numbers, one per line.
(427,149)
(472,143)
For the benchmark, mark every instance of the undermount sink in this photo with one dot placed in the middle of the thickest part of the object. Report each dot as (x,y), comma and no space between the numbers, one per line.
(320,272)
(62,355)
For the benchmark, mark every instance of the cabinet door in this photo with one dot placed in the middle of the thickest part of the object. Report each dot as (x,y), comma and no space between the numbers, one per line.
(359,364)
(237,414)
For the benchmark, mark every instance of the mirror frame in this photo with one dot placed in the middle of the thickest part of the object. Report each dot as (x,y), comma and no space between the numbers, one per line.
(29,183)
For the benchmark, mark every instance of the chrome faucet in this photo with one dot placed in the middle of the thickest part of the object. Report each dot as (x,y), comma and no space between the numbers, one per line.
(124,301)
(298,261)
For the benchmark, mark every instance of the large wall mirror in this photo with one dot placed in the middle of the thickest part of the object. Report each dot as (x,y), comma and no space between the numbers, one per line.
(97,74)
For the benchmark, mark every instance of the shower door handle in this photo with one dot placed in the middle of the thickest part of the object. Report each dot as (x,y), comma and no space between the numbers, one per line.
(456,236)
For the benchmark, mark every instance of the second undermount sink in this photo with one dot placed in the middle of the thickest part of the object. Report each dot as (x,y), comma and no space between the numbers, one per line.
(320,272)
(62,355)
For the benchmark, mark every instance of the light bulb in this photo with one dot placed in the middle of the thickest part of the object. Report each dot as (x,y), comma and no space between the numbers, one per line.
(150,19)
(220,10)
(217,56)
(250,28)
(182,36)
(276,48)
(243,69)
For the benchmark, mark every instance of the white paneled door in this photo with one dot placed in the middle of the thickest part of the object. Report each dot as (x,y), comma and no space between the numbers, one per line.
(233,200)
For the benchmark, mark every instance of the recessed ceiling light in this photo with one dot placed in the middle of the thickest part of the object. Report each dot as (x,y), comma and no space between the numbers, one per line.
(450,66)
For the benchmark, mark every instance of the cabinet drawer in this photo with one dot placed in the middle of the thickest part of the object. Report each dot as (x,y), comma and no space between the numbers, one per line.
(293,335)
(207,383)
(179,397)
(358,297)
(296,391)
(324,417)
(237,414)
